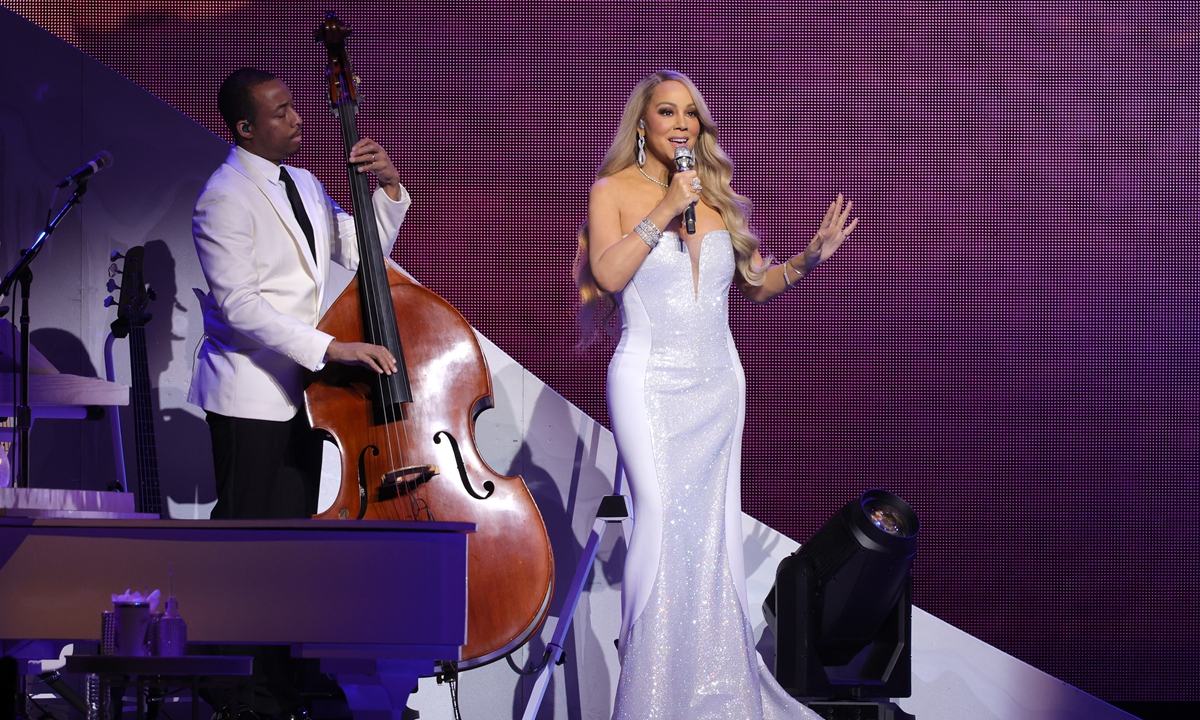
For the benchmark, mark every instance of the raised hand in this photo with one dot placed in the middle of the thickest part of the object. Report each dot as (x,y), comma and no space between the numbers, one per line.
(830,236)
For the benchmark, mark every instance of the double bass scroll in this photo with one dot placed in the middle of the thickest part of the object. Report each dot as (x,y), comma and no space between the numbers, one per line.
(391,431)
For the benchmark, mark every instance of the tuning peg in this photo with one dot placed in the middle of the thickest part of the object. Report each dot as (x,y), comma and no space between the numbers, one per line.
(109,302)
(116,255)
(113,270)
(112,285)
(151,293)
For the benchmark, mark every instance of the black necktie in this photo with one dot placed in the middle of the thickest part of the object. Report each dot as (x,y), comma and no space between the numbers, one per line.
(298,208)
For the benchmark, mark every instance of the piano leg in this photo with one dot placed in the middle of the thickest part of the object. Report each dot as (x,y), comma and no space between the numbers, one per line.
(376,689)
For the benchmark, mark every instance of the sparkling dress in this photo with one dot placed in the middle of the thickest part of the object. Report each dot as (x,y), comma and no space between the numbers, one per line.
(676,398)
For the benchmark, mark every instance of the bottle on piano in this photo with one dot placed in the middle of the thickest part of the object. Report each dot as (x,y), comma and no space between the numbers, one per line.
(171,640)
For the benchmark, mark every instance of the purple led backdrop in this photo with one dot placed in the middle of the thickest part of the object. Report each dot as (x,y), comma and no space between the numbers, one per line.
(1009,341)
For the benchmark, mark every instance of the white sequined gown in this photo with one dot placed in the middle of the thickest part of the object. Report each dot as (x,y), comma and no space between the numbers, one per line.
(676,398)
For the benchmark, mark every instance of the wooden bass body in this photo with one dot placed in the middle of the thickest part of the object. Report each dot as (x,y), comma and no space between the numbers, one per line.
(426,466)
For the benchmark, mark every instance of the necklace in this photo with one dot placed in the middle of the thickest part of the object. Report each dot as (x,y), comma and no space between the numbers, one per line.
(656,182)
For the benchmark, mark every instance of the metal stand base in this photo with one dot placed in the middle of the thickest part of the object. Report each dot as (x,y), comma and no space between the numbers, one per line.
(613,509)
(847,710)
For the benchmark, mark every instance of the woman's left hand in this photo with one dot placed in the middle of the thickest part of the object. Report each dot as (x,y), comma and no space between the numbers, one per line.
(830,237)
(371,157)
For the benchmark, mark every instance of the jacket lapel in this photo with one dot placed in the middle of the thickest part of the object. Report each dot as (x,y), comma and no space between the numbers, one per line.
(283,209)
(314,203)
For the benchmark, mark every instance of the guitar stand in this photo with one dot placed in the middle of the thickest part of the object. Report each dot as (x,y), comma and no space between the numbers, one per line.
(613,509)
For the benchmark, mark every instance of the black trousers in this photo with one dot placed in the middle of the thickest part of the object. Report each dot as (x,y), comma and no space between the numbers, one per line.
(265,469)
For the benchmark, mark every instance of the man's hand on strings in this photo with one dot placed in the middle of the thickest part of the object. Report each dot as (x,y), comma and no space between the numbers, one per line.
(366,355)
(371,157)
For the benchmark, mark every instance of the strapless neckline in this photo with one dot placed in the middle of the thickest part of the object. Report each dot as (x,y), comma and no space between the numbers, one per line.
(702,238)
(699,259)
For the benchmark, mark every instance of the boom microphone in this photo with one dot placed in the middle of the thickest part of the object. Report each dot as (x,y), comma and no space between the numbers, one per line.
(102,160)
(685,160)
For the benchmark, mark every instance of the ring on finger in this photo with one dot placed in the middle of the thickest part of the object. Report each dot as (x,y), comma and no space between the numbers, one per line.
(696,184)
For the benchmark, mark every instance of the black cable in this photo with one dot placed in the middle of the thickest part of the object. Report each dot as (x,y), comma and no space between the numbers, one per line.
(449,674)
(454,697)
(533,670)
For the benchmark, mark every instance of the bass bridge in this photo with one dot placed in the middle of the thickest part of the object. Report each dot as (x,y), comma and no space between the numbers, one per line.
(403,481)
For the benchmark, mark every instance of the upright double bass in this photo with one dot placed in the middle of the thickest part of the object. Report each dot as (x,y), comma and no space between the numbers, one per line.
(391,429)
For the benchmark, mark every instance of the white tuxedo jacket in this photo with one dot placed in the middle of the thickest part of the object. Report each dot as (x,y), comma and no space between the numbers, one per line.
(265,287)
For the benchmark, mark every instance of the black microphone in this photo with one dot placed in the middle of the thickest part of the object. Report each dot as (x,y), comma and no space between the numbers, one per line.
(685,160)
(102,160)
(60,687)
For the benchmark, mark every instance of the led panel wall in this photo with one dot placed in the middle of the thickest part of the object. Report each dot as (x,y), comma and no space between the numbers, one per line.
(1008,341)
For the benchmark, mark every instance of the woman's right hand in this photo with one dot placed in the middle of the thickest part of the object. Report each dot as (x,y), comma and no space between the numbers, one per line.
(681,194)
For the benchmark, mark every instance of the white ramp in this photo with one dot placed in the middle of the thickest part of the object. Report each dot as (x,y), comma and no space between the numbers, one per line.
(569,462)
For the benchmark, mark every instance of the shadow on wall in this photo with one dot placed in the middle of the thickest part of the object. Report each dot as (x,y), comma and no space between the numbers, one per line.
(562,516)
(759,547)
(58,448)
(184,445)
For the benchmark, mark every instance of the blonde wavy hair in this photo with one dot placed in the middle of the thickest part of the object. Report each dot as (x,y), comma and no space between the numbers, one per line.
(597,307)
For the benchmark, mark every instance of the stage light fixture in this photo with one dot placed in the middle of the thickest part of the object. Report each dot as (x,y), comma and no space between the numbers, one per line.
(841,611)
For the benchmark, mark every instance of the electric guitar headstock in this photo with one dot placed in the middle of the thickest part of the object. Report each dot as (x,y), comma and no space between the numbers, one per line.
(135,296)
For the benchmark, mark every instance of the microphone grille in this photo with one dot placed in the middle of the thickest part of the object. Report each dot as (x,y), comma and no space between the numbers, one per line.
(104,159)
(684,158)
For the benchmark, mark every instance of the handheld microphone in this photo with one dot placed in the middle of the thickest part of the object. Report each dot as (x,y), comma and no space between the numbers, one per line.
(685,160)
(102,160)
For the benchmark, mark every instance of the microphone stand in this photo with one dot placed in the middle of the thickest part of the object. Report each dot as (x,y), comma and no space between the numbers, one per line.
(22,274)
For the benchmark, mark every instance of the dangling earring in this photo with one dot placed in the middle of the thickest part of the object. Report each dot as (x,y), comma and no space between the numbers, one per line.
(641,156)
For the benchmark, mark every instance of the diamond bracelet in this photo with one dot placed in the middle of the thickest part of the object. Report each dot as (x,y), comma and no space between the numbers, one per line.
(648,231)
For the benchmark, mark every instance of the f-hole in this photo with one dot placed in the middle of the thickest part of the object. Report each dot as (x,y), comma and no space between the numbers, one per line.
(362,479)
(488,485)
